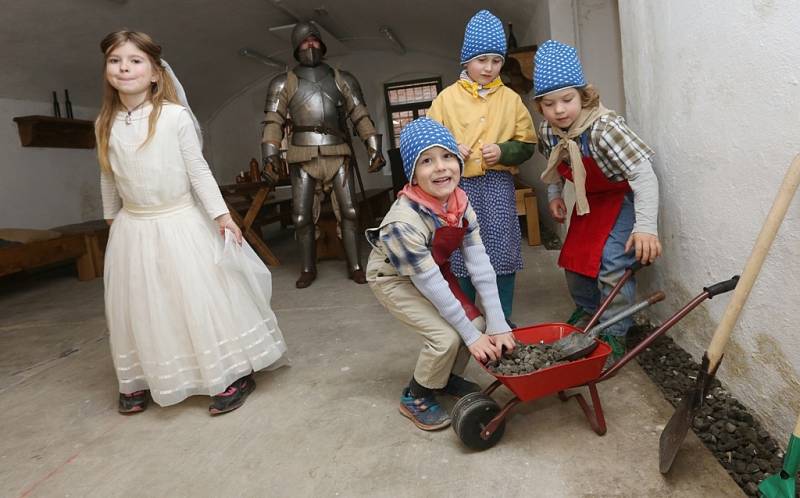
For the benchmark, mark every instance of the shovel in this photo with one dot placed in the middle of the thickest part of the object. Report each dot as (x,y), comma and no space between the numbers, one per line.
(675,430)
(577,345)
(782,485)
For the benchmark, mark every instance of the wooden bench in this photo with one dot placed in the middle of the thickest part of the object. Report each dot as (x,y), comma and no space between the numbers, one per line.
(95,232)
(36,254)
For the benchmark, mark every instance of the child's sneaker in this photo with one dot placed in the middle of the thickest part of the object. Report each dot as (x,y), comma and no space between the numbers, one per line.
(135,402)
(618,349)
(426,413)
(233,397)
(579,318)
(459,387)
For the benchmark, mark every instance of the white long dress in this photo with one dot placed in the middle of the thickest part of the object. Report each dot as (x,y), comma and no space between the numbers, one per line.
(181,321)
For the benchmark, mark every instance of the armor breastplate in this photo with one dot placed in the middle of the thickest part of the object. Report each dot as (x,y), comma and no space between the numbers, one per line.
(316,104)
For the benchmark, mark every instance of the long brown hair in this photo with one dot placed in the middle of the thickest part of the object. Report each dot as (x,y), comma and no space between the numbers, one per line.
(160,91)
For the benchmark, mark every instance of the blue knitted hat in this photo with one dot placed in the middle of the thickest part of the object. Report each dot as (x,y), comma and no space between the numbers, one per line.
(484,35)
(556,66)
(419,136)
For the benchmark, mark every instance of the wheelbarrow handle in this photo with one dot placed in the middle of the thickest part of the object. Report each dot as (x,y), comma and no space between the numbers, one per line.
(629,272)
(722,287)
(649,300)
(636,266)
(717,288)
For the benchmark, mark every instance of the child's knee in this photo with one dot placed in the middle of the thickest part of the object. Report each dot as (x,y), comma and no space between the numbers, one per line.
(447,344)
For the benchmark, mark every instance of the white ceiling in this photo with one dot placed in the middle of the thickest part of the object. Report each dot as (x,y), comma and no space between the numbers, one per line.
(50,45)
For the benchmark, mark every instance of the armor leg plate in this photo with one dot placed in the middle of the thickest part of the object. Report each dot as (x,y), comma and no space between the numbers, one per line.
(344,191)
(303,186)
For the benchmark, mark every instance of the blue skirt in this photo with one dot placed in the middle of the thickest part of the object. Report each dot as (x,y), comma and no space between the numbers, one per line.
(493,199)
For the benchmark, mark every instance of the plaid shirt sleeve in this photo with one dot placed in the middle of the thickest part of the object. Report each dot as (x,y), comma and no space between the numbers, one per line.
(473,235)
(407,248)
(617,148)
(545,139)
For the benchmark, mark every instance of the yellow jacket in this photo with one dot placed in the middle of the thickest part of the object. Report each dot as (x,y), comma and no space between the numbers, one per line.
(498,117)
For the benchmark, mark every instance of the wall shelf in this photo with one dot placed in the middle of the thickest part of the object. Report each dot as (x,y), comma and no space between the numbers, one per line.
(47,131)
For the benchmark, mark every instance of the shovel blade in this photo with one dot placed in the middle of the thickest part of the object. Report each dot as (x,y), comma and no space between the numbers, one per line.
(574,346)
(780,485)
(783,484)
(675,431)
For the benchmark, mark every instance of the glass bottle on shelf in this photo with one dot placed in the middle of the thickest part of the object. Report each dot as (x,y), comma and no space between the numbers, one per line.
(255,174)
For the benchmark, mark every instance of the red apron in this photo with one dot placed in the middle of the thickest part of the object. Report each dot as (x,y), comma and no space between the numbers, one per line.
(447,239)
(587,235)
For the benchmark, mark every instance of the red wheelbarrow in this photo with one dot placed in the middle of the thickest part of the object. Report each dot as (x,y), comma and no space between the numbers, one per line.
(480,422)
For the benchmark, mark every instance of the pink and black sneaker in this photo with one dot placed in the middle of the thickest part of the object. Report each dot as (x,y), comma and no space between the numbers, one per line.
(135,402)
(233,397)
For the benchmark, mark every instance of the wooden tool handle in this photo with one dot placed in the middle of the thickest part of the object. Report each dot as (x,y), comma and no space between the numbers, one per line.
(797,428)
(753,266)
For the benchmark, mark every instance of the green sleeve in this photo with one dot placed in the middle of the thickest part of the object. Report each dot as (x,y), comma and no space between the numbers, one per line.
(513,152)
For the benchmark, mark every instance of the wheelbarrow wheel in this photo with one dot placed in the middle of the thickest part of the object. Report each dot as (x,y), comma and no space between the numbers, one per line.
(470,417)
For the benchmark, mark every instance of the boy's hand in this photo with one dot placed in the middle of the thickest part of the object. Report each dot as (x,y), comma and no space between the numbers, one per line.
(558,210)
(491,153)
(504,342)
(464,151)
(647,246)
(484,350)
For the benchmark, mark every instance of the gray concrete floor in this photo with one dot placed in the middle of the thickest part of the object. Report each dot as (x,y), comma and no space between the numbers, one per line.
(327,425)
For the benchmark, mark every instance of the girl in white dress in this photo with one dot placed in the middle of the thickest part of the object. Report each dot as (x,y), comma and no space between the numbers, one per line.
(187,303)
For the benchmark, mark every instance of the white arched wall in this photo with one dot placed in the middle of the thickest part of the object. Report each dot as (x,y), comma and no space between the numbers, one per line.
(234,131)
(714,87)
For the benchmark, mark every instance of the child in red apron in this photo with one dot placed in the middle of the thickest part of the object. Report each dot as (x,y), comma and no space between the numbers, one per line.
(409,272)
(615,218)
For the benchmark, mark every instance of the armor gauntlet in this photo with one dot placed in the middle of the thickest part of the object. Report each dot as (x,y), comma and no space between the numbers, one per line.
(376,160)
(274,165)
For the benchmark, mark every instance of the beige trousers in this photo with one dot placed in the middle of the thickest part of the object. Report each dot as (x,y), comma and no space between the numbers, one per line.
(443,352)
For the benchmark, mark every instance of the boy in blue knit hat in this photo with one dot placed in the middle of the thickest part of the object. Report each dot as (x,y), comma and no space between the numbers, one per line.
(409,272)
(615,220)
(495,135)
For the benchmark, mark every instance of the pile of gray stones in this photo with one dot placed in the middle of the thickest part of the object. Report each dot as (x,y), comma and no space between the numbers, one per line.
(525,359)
(741,445)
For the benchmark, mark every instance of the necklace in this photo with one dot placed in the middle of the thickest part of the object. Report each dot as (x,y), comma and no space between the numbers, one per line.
(128,116)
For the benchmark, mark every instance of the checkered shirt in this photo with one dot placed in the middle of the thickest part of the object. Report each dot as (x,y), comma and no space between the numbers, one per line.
(615,147)
(409,249)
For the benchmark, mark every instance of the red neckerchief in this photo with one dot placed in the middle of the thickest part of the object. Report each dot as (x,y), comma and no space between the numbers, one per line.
(456,203)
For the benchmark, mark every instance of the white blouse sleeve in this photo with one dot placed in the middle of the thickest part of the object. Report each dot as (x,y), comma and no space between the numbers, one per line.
(112,202)
(203,183)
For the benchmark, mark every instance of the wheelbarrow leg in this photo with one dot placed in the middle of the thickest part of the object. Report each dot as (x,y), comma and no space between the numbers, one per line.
(593,413)
(499,418)
(492,388)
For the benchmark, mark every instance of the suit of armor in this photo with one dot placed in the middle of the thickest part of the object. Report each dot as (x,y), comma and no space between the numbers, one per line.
(319,99)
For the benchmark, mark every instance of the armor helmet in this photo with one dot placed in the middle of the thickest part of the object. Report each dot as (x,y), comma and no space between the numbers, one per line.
(309,56)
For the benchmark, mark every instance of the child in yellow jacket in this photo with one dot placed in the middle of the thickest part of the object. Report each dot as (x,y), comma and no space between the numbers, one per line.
(495,135)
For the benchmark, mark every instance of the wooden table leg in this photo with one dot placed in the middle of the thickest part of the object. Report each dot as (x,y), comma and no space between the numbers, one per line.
(255,207)
(255,239)
(532,220)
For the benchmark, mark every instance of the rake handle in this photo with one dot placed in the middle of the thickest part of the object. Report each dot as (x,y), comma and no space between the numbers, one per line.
(764,241)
